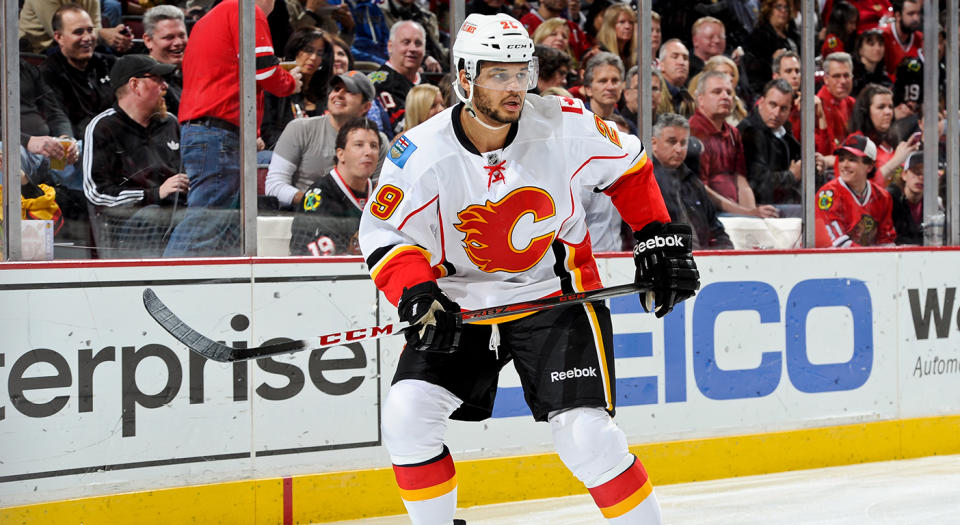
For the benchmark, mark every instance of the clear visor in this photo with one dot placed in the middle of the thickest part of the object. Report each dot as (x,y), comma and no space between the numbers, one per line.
(505,76)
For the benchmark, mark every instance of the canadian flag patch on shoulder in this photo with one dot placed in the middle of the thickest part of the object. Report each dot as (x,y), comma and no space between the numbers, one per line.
(571,105)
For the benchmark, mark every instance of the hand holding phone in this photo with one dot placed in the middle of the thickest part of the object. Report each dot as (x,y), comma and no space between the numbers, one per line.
(915,138)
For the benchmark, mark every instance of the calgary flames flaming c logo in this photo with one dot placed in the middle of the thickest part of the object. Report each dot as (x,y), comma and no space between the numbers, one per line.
(489,231)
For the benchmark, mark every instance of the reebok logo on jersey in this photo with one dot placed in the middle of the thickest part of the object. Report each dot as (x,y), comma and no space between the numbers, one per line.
(659,242)
(573,373)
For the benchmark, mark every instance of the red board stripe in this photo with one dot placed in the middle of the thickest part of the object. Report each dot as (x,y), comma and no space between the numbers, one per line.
(287,501)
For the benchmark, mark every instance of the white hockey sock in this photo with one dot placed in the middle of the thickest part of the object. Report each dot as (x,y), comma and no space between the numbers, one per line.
(429,490)
(628,499)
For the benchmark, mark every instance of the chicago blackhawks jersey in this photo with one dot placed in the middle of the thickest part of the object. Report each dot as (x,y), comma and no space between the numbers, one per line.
(843,220)
(327,220)
(507,225)
(392,89)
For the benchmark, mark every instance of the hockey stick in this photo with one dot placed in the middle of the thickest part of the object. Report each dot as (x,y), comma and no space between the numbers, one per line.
(217,351)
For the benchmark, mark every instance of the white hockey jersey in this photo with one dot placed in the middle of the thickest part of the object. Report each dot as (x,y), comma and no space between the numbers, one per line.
(506,225)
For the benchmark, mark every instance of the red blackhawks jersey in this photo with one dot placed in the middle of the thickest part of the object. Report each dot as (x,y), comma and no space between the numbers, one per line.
(843,221)
(502,226)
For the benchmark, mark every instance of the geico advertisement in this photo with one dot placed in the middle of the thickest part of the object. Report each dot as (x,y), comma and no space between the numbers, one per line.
(929,336)
(94,387)
(769,343)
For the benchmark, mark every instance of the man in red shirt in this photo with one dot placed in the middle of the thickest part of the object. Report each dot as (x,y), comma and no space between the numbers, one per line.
(722,164)
(210,117)
(834,105)
(902,38)
(852,209)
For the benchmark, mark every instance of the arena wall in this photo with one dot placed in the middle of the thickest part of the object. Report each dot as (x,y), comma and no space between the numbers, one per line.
(784,360)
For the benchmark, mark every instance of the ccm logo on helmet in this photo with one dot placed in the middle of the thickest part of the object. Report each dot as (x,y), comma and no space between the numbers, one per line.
(574,372)
(516,46)
(659,242)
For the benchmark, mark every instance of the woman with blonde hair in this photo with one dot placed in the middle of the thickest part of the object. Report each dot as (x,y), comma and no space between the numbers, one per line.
(660,94)
(618,33)
(422,102)
(726,65)
(554,33)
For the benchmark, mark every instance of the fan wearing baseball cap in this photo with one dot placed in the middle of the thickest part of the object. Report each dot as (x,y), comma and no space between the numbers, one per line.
(908,201)
(853,209)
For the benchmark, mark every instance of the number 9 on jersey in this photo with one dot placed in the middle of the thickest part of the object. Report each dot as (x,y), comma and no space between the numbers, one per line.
(386,202)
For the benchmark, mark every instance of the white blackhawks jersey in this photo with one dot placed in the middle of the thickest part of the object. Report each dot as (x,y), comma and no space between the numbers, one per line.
(506,225)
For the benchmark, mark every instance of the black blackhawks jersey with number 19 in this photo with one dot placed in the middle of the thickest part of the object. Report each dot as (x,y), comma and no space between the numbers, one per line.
(327,221)
(392,89)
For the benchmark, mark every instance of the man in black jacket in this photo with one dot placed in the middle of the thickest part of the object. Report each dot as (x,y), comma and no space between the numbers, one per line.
(131,161)
(80,78)
(771,151)
(907,209)
(683,192)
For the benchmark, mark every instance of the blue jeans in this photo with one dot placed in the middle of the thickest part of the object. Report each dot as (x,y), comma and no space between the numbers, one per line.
(211,226)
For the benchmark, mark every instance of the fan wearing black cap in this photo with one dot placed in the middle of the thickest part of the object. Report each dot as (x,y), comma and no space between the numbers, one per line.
(131,154)
(853,209)
(908,201)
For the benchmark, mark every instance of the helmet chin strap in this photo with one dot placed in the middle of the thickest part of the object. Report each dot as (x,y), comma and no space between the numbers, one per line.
(468,105)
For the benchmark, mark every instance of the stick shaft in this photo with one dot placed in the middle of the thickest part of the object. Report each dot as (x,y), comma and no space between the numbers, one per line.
(217,351)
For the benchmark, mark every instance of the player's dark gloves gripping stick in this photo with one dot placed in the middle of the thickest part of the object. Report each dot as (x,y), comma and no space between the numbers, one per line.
(664,258)
(427,306)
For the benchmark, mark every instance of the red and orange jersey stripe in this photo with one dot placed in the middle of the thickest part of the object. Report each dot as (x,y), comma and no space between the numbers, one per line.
(426,480)
(579,261)
(624,492)
(637,196)
(404,266)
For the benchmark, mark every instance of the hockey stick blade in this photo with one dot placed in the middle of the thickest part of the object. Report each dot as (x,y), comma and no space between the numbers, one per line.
(220,352)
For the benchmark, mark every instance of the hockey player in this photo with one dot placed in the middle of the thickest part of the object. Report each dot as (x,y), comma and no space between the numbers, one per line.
(479,206)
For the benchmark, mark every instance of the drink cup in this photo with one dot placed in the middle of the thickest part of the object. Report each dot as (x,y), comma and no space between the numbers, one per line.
(288,65)
(59,164)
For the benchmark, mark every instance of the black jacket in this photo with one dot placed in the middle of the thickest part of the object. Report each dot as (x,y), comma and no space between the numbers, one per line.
(768,161)
(687,201)
(327,221)
(760,47)
(125,163)
(82,94)
(40,112)
(909,231)
(861,77)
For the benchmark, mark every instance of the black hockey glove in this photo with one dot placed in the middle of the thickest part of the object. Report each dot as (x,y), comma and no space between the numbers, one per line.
(664,260)
(427,306)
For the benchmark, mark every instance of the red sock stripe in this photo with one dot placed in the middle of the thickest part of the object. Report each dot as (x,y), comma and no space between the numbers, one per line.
(425,475)
(621,487)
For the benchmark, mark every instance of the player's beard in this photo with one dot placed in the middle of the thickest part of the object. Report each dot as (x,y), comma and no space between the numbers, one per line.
(483,104)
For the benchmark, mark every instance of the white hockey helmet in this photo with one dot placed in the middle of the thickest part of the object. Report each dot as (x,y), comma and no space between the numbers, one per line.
(494,38)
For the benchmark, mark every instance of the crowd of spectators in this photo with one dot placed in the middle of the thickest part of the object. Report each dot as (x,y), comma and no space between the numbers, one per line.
(127,110)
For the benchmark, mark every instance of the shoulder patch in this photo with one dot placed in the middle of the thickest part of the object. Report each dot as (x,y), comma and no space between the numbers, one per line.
(571,105)
(825,199)
(832,42)
(377,76)
(401,150)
